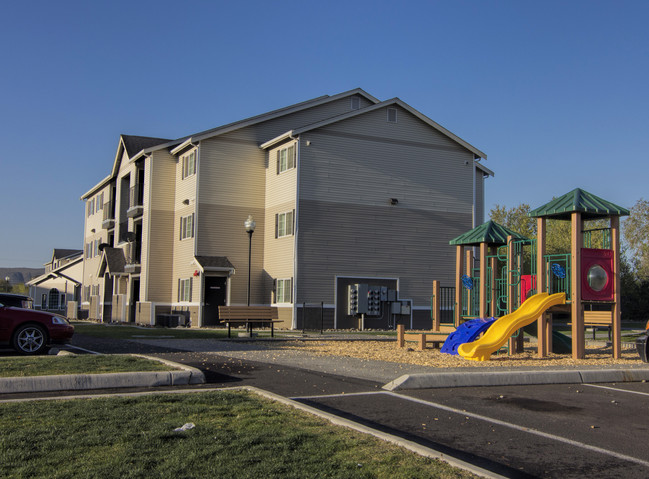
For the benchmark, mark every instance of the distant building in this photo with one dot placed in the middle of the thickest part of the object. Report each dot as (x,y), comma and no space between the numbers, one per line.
(61,281)
(344,189)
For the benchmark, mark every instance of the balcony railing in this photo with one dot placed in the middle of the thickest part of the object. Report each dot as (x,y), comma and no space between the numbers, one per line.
(136,201)
(108,221)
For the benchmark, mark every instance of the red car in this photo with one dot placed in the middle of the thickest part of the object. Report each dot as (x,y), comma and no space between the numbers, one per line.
(29,331)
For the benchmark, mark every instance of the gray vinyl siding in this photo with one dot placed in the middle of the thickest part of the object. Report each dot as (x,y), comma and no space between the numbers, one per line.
(347,226)
(158,233)
(479,198)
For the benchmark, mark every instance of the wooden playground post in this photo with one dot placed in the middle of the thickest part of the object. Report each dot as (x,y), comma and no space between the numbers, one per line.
(578,339)
(511,290)
(493,262)
(544,332)
(617,318)
(469,269)
(483,280)
(436,306)
(459,249)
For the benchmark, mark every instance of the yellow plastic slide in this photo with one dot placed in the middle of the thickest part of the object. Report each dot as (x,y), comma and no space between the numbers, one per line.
(504,327)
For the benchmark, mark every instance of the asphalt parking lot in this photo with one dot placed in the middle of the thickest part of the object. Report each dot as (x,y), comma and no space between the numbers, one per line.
(548,431)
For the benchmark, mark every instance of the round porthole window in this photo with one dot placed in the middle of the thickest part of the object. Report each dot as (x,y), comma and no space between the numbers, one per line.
(597,278)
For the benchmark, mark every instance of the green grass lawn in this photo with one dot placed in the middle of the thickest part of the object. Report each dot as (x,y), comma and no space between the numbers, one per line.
(236,434)
(135,332)
(82,364)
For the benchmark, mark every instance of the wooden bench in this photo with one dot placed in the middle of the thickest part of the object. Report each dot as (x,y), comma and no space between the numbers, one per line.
(598,319)
(249,315)
(423,338)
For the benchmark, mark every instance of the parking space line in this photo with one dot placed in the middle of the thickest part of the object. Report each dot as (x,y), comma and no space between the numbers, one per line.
(498,422)
(325,396)
(617,389)
(81,349)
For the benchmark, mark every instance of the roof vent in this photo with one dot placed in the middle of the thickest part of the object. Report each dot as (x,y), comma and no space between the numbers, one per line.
(392,115)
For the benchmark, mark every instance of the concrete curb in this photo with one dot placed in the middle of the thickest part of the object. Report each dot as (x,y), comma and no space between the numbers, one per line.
(515,378)
(73,382)
(406,444)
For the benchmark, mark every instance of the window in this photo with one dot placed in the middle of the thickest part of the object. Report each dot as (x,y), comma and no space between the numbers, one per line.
(100,202)
(91,207)
(284,224)
(187,227)
(283,290)
(286,159)
(392,115)
(189,164)
(185,289)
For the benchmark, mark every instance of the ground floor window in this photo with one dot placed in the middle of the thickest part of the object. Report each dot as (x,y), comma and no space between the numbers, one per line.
(283,290)
(53,300)
(185,289)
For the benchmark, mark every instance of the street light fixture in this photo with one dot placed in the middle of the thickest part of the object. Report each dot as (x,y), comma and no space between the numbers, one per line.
(250,229)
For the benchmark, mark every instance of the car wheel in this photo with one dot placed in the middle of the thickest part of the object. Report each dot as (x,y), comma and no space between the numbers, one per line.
(30,339)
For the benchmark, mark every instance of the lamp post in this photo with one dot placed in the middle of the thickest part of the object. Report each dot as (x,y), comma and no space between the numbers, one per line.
(250,229)
(7,284)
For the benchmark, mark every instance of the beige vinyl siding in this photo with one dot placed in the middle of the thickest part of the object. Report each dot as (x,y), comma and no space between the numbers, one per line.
(281,193)
(348,175)
(232,186)
(158,228)
(184,250)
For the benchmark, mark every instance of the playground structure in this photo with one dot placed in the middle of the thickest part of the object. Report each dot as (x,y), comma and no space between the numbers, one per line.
(511,268)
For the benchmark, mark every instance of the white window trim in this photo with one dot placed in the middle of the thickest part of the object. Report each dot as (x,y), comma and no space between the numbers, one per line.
(291,224)
(287,289)
(185,290)
(184,220)
(184,164)
(290,159)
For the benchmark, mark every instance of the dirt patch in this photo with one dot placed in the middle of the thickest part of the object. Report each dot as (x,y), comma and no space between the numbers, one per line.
(388,351)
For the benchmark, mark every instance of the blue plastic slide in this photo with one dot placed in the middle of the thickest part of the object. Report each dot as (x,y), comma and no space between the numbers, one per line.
(467,332)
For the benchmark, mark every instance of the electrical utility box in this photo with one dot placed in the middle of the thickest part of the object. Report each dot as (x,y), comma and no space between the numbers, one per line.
(357,294)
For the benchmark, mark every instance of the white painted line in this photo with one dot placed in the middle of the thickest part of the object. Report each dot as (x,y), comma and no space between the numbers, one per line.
(528,430)
(342,395)
(617,389)
(81,349)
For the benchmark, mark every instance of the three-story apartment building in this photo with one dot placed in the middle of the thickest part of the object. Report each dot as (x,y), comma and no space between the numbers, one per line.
(344,189)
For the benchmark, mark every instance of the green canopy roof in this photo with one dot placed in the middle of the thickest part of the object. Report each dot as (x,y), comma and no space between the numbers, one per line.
(588,204)
(490,232)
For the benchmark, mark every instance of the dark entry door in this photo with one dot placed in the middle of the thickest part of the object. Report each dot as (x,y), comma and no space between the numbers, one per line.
(215,296)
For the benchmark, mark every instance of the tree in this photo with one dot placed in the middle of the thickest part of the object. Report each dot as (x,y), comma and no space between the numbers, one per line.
(515,218)
(636,236)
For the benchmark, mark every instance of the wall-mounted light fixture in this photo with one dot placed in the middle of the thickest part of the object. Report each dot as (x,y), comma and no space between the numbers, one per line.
(394,201)
(186,202)
(92,230)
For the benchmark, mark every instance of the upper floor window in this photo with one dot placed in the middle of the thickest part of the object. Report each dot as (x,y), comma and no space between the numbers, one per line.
(90,205)
(392,115)
(189,164)
(284,224)
(100,202)
(286,159)
(187,227)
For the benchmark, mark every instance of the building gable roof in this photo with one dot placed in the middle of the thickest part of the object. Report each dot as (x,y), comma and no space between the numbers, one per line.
(60,253)
(147,144)
(578,200)
(490,232)
(113,260)
(362,111)
(58,273)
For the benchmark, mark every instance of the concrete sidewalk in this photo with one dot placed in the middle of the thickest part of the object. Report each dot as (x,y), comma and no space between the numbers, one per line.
(398,376)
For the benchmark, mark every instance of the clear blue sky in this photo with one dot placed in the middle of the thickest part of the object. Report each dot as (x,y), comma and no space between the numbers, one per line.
(555,92)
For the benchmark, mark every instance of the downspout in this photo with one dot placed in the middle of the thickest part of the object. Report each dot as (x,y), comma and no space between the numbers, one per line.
(473,212)
(201,286)
(297,229)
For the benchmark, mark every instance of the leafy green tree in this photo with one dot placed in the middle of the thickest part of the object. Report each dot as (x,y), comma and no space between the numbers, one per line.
(636,236)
